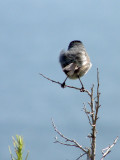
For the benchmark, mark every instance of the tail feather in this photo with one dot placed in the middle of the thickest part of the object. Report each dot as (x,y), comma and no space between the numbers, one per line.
(70,69)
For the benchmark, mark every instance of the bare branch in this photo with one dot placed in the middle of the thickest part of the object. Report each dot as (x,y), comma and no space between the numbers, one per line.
(93,134)
(107,150)
(75,144)
(97,105)
(85,90)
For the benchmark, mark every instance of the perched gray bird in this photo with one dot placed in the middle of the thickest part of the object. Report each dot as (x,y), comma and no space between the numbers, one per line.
(75,61)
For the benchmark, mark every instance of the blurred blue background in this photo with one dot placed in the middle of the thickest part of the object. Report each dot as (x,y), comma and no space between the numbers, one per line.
(32,34)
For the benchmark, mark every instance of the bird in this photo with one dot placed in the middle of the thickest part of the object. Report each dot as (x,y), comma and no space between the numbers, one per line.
(75,62)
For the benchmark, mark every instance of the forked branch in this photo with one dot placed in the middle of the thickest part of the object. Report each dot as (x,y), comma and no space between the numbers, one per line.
(68,141)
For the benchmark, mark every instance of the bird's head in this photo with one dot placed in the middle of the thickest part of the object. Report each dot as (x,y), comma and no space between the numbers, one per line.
(74,43)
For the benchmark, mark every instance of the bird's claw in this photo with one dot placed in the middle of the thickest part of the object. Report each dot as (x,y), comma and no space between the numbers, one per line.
(82,89)
(63,85)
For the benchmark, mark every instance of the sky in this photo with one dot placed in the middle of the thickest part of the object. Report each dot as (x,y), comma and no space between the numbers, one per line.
(32,34)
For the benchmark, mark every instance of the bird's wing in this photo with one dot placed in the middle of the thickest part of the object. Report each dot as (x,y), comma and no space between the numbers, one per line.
(65,59)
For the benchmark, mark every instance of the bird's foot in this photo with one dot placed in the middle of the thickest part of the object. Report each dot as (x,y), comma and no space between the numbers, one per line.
(82,89)
(63,85)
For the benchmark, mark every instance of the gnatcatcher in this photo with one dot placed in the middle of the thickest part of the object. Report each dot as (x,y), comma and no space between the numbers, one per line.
(75,61)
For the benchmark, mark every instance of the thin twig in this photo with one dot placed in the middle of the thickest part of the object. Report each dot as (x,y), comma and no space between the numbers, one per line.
(107,150)
(66,144)
(85,90)
(87,113)
(80,156)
